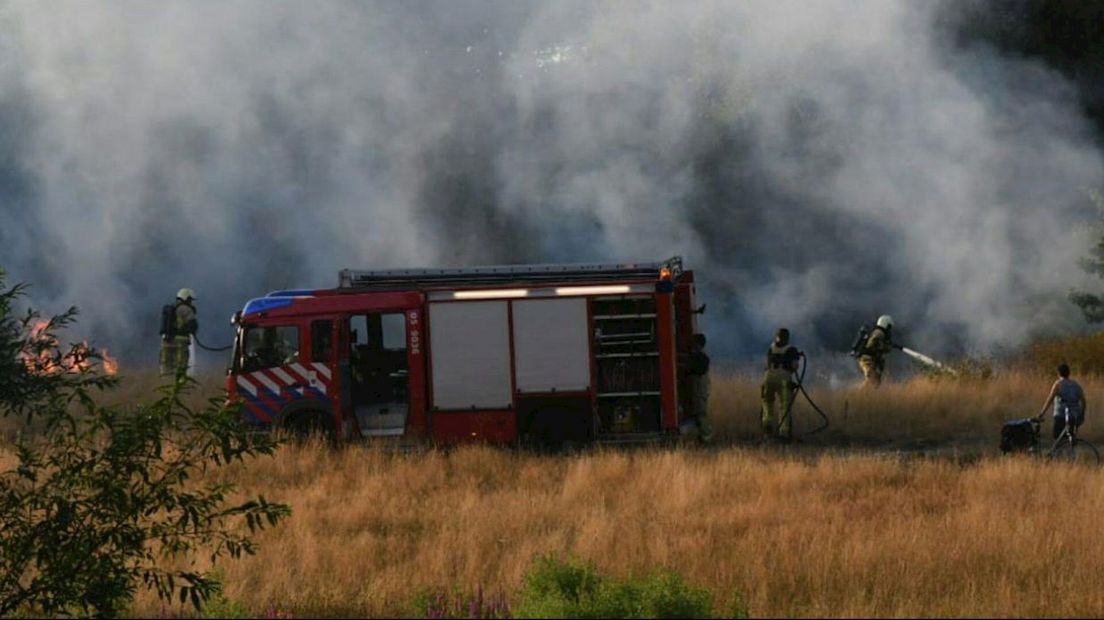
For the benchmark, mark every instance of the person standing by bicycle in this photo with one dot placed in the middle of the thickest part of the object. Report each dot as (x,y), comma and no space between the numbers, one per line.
(1068,397)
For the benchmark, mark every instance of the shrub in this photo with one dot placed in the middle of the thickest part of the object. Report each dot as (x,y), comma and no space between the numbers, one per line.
(102,498)
(556,588)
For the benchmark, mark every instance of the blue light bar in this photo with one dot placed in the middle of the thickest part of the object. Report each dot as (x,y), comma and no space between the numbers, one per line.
(264,304)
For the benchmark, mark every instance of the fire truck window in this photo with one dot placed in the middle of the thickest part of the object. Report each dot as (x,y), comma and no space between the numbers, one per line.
(394,331)
(378,332)
(321,341)
(267,347)
(358,329)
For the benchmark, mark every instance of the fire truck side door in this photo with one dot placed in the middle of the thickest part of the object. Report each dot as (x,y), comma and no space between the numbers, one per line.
(379,372)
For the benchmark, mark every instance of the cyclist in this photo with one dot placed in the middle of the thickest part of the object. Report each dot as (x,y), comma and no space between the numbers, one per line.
(1068,398)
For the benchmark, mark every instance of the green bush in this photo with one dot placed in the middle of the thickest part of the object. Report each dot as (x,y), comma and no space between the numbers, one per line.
(557,588)
(218,605)
(102,501)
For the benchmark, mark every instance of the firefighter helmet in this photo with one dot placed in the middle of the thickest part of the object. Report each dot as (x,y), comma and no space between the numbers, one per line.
(185,294)
(885,321)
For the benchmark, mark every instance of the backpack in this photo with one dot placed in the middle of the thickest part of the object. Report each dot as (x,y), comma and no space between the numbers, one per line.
(168,321)
(1019,435)
(858,347)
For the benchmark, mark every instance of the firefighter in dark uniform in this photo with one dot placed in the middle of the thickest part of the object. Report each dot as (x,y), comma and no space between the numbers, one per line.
(877,345)
(176,339)
(779,383)
(699,373)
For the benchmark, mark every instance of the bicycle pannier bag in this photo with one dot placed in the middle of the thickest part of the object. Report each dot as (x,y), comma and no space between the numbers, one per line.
(1018,435)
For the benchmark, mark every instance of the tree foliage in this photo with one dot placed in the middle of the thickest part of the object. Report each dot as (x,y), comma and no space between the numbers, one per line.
(102,501)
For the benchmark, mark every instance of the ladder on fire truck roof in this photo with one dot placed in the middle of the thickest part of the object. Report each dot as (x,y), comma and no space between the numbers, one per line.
(391,279)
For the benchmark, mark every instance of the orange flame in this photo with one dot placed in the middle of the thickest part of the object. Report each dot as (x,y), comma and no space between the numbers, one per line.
(78,359)
(110,364)
(38,327)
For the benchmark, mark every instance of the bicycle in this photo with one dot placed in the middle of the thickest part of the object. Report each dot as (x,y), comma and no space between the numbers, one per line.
(1068,447)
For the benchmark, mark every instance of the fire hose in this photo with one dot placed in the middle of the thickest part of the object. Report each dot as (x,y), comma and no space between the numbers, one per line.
(207,348)
(799,386)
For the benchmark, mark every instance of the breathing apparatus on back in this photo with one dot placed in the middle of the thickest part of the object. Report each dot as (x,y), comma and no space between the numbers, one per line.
(858,346)
(169,328)
(169,324)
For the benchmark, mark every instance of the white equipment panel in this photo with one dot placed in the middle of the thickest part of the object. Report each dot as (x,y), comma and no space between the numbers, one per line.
(470,353)
(551,346)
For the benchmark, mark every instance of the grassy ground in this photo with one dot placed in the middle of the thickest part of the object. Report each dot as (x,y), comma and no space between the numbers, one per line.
(841,525)
(920,413)
(795,533)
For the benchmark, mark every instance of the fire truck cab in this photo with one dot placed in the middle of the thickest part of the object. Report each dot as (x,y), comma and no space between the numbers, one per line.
(541,354)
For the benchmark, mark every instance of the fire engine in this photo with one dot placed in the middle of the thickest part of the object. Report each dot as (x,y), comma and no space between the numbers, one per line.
(541,354)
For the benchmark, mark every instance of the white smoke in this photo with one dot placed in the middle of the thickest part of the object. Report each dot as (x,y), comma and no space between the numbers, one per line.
(817,164)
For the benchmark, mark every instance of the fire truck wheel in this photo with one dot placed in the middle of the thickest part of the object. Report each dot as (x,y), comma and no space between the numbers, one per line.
(305,424)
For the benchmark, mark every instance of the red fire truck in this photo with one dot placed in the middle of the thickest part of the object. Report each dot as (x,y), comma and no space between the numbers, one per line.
(521,353)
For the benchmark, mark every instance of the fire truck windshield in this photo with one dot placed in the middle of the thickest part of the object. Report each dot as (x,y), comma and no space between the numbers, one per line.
(268,347)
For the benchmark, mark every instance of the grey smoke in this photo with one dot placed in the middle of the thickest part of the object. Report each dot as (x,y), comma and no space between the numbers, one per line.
(817,164)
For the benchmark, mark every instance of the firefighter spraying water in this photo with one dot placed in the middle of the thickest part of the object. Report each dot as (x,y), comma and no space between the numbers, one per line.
(872,345)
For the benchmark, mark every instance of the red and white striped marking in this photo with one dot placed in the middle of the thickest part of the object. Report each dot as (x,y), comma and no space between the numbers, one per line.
(314,374)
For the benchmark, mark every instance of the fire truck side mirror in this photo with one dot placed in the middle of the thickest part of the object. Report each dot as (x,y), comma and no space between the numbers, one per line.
(700,310)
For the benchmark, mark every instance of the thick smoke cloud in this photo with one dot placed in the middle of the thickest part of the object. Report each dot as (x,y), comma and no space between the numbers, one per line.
(817,164)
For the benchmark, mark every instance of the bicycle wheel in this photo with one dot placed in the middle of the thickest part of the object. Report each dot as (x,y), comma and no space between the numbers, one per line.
(1080,452)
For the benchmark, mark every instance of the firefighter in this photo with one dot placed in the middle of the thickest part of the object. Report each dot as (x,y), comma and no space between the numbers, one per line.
(874,350)
(699,373)
(778,381)
(177,337)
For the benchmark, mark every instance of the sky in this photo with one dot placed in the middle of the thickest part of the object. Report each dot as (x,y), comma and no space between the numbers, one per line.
(815,164)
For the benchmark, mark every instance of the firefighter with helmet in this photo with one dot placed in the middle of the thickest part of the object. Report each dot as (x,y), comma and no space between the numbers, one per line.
(874,350)
(178,327)
(779,384)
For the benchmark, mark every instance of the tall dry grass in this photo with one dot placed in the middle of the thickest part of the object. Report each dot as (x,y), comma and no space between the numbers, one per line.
(797,534)
(838,526)
(919,413)
(923,412)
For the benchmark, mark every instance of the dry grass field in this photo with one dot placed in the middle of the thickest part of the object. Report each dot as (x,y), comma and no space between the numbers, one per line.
(903,507)
(919,413)
(795,534)
(841,525)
